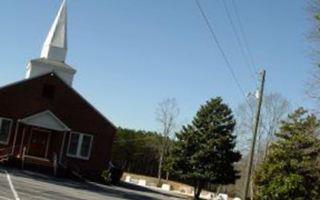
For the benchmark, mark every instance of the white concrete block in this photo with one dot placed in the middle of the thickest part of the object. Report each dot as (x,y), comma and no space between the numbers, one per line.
(127,179)
(166,187)
(207,195)
(142,182)
(222,196)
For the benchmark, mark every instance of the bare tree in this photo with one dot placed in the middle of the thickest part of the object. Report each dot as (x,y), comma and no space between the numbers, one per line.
(313,82)
(244,116)
(166,114)
(274,108)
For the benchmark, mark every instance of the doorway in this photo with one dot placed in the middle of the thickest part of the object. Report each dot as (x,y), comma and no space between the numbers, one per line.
(39,143)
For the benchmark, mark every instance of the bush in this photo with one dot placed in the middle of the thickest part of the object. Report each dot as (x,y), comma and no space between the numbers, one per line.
(291,170)
(112,176)
(116,175)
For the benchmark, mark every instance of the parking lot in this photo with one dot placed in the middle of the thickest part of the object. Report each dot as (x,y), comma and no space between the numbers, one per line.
(24,185)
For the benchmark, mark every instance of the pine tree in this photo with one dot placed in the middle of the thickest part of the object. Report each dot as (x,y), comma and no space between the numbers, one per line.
(204,152)
(291,169)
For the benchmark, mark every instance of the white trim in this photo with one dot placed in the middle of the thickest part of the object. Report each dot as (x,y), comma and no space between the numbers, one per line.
(28,121)
(78,154)
(10,129)
(48,145)
(15,137)
(62,146)
(22,140)
(37,158)
(29,140)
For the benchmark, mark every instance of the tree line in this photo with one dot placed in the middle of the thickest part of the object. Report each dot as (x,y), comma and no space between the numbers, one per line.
(136,151)
(203,152)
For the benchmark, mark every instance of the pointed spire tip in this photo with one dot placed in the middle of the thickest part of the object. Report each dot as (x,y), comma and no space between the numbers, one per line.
(55,46)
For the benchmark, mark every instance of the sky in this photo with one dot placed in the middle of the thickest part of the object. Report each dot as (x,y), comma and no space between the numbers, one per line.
(132,54)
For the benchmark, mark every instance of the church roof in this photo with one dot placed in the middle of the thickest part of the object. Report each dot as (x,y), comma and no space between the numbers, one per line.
(23,98)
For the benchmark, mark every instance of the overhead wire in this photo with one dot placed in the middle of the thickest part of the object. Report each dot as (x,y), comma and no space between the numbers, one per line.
(223,54)
(242,32)
(242,48)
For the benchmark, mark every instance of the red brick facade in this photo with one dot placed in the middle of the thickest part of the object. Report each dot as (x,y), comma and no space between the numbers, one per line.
(26,98)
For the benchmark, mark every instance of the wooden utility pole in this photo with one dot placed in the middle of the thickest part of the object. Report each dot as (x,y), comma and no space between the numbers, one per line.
(255,131)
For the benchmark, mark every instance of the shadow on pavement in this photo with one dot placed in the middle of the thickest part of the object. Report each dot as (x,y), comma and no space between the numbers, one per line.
(123,190)
(144,189)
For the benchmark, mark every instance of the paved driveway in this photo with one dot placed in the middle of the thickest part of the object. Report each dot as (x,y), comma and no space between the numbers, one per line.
(25,185)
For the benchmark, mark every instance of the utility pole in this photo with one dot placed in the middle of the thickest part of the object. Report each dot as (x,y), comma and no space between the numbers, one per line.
(255,131)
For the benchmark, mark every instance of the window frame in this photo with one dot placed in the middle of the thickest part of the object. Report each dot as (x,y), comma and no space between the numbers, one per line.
(79,147)
(10,130)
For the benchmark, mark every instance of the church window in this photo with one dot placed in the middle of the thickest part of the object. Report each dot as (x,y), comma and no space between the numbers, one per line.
(5,129)
(80,145)
(73,145)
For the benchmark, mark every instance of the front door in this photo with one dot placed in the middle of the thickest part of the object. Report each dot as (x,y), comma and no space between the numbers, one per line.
(38,144)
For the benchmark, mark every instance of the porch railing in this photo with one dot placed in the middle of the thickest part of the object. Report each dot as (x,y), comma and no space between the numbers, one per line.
(6,152)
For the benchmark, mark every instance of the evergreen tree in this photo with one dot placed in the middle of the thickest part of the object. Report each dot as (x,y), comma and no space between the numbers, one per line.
(136,151)
(204,152)
(291,169)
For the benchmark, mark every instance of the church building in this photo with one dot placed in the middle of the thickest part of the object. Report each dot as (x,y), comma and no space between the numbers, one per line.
(44,121)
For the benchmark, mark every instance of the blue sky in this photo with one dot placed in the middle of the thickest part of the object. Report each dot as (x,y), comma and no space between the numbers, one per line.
(131,54)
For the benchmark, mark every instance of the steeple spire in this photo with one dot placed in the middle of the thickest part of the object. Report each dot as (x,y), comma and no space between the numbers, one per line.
(54,51)
(55,45)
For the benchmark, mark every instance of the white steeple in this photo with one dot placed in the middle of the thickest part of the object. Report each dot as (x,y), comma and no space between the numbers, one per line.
(55,45)
(54,51)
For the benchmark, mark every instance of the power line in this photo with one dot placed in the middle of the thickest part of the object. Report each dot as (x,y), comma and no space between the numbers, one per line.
(224,56)
(243,34)
(242,49)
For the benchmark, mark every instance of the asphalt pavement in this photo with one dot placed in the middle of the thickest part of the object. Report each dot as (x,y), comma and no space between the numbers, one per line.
(18,184)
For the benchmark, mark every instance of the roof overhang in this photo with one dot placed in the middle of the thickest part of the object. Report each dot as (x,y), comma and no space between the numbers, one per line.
(47,120)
